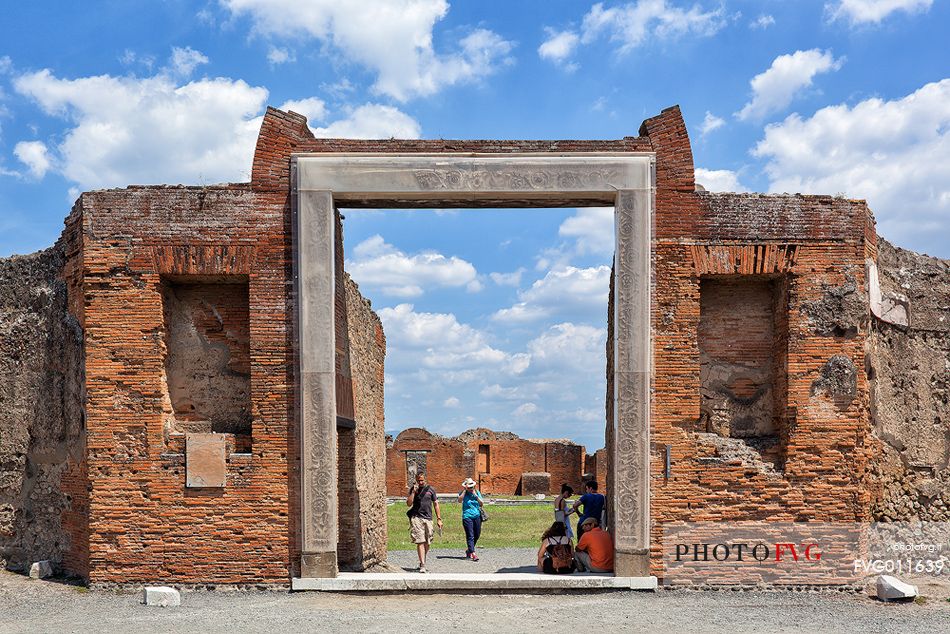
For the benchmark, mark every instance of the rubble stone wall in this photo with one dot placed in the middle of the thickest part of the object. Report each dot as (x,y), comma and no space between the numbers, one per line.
(42,438)
(910,387)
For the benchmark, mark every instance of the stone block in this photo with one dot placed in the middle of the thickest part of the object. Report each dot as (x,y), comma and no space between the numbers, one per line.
(205,460)
(535,483)
(893,589)
(161,596)
(41,570)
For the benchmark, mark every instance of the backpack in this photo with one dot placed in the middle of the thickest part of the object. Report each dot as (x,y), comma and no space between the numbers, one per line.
(562,556)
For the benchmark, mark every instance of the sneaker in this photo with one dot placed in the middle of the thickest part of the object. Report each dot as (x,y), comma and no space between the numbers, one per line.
(422,570)
(474,557)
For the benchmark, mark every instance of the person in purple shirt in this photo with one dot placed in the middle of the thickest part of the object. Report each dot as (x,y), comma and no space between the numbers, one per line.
(592,503)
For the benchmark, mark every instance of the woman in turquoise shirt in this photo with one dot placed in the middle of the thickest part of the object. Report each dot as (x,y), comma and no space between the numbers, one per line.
(472,503)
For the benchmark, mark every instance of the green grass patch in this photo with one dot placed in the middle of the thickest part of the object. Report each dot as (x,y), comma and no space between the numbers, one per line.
(508,527)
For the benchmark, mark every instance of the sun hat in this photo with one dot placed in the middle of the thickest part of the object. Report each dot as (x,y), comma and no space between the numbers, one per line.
(468,482)
(590,520)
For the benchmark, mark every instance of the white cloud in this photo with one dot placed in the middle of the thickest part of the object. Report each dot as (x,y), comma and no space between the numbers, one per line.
(764,21)
(632,24)
(6,65)
(313,108)
(277,55)
(710,123)
(896,154)
(774,89)
(391,38)
(564,291)
(439,341)
(559,47)
(184,61)
(569,345)
(525,409)
(592,229)
(144,130)
(507,279)
(451,402)
(35,156)
(379,265)
(372,121)
(865,11)
(130,130)
(719,180)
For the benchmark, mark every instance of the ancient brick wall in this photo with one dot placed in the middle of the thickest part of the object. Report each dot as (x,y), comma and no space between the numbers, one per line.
(910,387)
(496,460)
(43,505)
(362,457)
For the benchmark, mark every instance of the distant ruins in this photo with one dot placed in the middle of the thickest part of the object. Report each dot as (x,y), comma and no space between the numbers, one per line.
(192,387)
(501,462)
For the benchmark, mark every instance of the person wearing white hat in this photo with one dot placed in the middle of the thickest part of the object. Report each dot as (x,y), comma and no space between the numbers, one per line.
(472,504)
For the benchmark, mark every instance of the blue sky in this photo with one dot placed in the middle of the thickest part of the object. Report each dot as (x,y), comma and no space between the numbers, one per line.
(493,317)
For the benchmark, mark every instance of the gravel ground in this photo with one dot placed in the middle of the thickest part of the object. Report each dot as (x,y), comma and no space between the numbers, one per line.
(43,606)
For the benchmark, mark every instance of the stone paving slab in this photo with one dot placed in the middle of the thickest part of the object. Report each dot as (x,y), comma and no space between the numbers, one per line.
(450,582)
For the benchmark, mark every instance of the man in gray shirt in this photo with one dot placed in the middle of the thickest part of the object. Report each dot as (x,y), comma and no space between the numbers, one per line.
(421,500)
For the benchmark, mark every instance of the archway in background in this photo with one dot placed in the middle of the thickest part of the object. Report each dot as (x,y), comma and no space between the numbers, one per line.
(321,182)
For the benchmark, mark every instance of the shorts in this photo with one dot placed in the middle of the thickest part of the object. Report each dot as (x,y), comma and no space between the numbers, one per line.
(420,530)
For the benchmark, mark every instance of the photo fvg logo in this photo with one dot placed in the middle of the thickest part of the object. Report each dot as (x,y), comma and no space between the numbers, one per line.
(744,551)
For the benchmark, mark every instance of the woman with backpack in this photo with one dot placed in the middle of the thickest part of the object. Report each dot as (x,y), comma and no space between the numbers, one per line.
(556,554)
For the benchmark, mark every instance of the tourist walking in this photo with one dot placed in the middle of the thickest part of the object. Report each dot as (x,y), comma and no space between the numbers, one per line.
(562,510)
(472,504)
(556,554)
(592,504)
(421,500)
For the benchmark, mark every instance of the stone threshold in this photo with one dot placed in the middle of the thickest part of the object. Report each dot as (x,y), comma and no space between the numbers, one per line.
(453,582)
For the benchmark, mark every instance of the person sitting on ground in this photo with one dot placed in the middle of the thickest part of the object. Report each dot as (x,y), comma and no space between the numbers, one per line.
(595,550)
(472,503)
(556,554)
(421,499)
(562,510)
(592,503)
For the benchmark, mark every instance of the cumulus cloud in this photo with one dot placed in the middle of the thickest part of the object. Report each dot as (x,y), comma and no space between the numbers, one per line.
(774,89)
(710,123)
(451,402)
(592,228)
(566,291)
(184,61)
(895,153)
(379,265)
(525,409)
(372,121)
(159,129)
(559,47)
(313,108)
(569,345)
(439,341)
(507,279)
(391,38)
(719,180)
(631,24)
(873,11)
(35,155)
(277,55)
(764,21)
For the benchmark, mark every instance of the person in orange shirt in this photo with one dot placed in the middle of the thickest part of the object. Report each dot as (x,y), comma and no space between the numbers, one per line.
(595,550)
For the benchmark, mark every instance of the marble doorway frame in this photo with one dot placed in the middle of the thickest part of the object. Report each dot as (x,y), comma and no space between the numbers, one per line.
(322,182)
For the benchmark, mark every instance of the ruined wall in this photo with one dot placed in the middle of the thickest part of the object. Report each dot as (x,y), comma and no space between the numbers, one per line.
(42,493)
(496,460)
(910,386)
(362,459)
